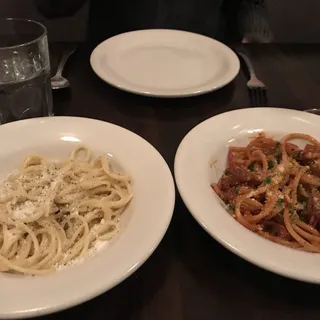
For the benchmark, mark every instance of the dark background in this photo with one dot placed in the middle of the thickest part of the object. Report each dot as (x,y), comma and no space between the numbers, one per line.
(290,20)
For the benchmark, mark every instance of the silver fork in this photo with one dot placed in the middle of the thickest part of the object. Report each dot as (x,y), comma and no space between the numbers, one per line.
(257,89)
(58,81)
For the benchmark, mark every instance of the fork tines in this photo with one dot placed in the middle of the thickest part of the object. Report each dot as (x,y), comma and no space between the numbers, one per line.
(258,97)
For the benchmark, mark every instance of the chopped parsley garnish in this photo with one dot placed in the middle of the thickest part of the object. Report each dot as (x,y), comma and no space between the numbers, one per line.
(278,144)
(291,211)
(251,167)
(305,211)
(237,189)
(280,202)
(303,219)
(270,164)
(267,180)
(232,207)
(296,155)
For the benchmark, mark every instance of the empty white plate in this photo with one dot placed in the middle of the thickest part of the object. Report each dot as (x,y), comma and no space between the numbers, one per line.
(164,63)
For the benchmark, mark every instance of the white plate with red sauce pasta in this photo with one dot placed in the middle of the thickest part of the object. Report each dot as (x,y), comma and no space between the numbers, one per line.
(251,178)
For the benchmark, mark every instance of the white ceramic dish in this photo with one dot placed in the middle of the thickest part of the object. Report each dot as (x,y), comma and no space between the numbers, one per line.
(208,143)
(164,63)
(143,224)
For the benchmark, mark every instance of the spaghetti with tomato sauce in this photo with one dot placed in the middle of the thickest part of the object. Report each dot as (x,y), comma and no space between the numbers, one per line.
(273,188)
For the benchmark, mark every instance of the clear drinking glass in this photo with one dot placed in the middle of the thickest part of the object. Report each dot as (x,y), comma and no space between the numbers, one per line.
(25,88)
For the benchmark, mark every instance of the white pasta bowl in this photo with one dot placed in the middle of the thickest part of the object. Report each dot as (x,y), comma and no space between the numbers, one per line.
(201,159)
(142,225)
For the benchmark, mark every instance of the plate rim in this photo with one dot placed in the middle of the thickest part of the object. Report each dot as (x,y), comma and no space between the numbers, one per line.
(138,262)
(287,273)
(164,93)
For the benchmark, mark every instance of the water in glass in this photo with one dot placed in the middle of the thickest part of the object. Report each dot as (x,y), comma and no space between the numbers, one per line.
(25,89)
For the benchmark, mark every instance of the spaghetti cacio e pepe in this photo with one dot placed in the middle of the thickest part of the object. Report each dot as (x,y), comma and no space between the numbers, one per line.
(54,212)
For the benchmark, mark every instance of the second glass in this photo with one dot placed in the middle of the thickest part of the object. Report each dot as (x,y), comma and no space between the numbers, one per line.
(25,87)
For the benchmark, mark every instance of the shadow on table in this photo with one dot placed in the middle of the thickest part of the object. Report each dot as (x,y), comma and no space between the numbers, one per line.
(61,100)
(175,108)
(125,300)
(225,276)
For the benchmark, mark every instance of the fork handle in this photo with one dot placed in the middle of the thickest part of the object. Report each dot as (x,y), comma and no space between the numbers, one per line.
(248,64)
(63,61)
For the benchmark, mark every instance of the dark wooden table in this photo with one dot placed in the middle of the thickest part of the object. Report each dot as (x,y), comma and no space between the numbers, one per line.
(191,276)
